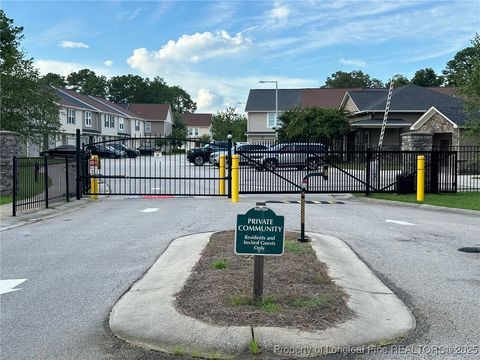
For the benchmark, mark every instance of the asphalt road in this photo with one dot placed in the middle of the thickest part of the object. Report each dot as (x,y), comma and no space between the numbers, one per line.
(78,264)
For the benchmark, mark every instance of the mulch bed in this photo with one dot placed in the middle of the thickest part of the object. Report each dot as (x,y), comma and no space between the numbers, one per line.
(298,293)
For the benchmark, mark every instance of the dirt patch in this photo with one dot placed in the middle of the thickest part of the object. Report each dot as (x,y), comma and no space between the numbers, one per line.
(298,293)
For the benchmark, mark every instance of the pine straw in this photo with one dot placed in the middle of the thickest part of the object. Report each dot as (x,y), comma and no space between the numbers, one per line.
(303,294)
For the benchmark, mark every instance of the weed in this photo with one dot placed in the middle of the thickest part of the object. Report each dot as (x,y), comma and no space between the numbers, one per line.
(239,300)
(321,301)
(319,278)
(269,305)
(220,264)
(296,247)
(178,351)
(254,347)
(196,354)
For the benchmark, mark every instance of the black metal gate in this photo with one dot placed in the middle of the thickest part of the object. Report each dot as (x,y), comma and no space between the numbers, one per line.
(150,166)
(359,171)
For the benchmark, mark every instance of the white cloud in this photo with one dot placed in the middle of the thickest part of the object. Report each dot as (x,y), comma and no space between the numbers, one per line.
(64,68)
(354,62)
(278,15)
(72,44)
(207,99)
(108,63)
(189,49)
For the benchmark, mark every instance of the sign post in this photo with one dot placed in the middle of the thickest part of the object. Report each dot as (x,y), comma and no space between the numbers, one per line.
(260,232)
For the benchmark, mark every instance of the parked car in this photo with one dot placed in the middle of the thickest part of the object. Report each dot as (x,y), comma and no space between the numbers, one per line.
(131,153)
(249,153)
(146,150)
(200,156)
(61,150)
(106,151)
(299,155)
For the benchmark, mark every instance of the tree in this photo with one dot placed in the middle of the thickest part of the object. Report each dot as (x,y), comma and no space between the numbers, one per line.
(27,107)
(229,121)
(86,82)
(180,101)
(469,88)
(459,68)
(312,124)
(353,79)
(135,89)
(179,131)
(128,89)
(205,138)
(427,78)
(400,80)
(54,80)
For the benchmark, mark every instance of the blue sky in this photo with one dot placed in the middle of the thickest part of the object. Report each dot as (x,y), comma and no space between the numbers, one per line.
(218,50)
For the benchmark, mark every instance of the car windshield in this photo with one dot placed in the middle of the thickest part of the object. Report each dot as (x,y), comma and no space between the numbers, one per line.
(277,147)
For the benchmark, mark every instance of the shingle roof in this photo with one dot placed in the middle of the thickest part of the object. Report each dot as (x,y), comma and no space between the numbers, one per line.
(365,98)
(197,119)
(85,99)
(264,99)
(405,98)
(66,100)
(117,107)
(378,122)
(150,111)
(456,114)
(323,98)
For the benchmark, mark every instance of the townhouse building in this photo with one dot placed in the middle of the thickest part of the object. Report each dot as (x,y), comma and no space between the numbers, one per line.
(98,119)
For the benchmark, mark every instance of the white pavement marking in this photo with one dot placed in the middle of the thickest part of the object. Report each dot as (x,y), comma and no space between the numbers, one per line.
(400,222)
(147,210)
(7,286)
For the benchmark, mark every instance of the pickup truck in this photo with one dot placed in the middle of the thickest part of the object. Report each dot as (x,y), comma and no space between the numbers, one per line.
(199,156)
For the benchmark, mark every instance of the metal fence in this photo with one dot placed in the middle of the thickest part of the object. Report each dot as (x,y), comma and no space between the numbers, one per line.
(153,166)
(468,162)
(40,181)
(282,169)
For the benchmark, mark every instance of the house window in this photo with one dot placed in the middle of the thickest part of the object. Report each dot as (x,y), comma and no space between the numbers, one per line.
(271,120)
(148,126)
(71,116)
(112,121)
(137,125)
(367,137)
(105,120)
(120,123)
(88,118)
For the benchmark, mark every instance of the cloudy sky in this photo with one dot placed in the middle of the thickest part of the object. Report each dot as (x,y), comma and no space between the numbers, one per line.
(218,50)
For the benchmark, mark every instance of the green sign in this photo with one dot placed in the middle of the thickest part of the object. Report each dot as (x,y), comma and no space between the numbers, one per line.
(259,232)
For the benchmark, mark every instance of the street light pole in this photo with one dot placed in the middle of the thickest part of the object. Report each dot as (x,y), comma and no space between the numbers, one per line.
(276,101)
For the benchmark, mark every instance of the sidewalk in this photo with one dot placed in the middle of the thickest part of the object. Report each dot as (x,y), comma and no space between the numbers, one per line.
(7,221)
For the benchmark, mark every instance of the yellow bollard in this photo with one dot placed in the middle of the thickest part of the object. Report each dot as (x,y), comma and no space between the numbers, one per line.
(235,177)
(94,163)
(222,174)
(421,178)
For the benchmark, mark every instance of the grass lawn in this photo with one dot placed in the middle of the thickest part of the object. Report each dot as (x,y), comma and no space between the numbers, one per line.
(465,200)
(28,186)
(5,200)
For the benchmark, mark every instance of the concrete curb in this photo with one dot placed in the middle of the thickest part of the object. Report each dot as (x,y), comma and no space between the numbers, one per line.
(146,315)
(419,206)
(380,316)
(36,215)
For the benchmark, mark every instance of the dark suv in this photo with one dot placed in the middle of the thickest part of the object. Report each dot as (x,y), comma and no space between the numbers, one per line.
(200,156)
(298,155)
